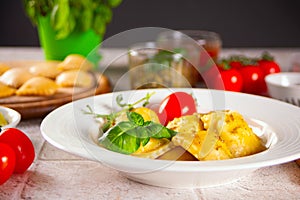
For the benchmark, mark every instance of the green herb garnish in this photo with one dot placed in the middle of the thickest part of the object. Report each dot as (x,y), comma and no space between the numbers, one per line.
(127,136)
(110,118)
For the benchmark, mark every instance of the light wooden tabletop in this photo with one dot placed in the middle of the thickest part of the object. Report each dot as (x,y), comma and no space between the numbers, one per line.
(56,174)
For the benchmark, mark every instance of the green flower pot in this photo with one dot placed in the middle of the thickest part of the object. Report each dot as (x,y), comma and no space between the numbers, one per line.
(78,42)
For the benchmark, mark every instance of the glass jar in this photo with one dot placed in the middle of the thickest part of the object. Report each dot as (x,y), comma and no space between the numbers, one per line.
(211,41)
(151,66)
(201,53)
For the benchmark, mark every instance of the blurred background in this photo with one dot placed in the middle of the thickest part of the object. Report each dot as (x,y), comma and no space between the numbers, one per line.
(252,23)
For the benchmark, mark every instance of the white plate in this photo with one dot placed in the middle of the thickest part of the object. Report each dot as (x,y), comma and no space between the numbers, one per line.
(69,129)
(13,117)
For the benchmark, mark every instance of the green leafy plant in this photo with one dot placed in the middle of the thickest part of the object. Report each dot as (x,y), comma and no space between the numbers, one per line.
(67,16)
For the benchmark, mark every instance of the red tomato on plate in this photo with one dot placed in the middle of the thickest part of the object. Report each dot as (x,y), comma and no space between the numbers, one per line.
(7,162)
(22,147)
(253,79)
(176,105)
(231,80)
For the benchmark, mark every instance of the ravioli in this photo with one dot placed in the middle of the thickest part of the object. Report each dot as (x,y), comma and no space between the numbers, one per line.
(237,135)
(3,68)
(6,91)
(38,86)
(74,78)
(15,77)
(154,148)
(46,69)
(236,138)
(75,61)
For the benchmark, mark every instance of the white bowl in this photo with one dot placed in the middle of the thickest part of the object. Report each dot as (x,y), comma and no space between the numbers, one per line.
(284,86)
(69,129)
(13,117)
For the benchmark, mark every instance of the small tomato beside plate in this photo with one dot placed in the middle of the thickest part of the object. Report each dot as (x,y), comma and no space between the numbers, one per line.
(22,147)
(7,162)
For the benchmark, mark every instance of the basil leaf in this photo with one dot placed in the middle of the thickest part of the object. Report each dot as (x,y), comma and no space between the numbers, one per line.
(126,137)
(135,118)
(67,29)
(99,24)
(114,3)
(143,134)
(121,138)
(105,12)
(159,131)
(86,19)
(29,6)
(60,14)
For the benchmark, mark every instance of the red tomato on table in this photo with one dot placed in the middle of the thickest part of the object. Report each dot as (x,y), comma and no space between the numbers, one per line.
(268,66)
(7,162)
(231,80)
(253,79)
(236,64)
(22,146)
(175,105)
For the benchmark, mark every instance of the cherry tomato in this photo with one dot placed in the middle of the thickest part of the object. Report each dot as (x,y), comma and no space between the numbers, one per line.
(268,64)
(22,147)
(175,105)
(236,64)
(7,162)
(231,80)
(268,67)
(253,79)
